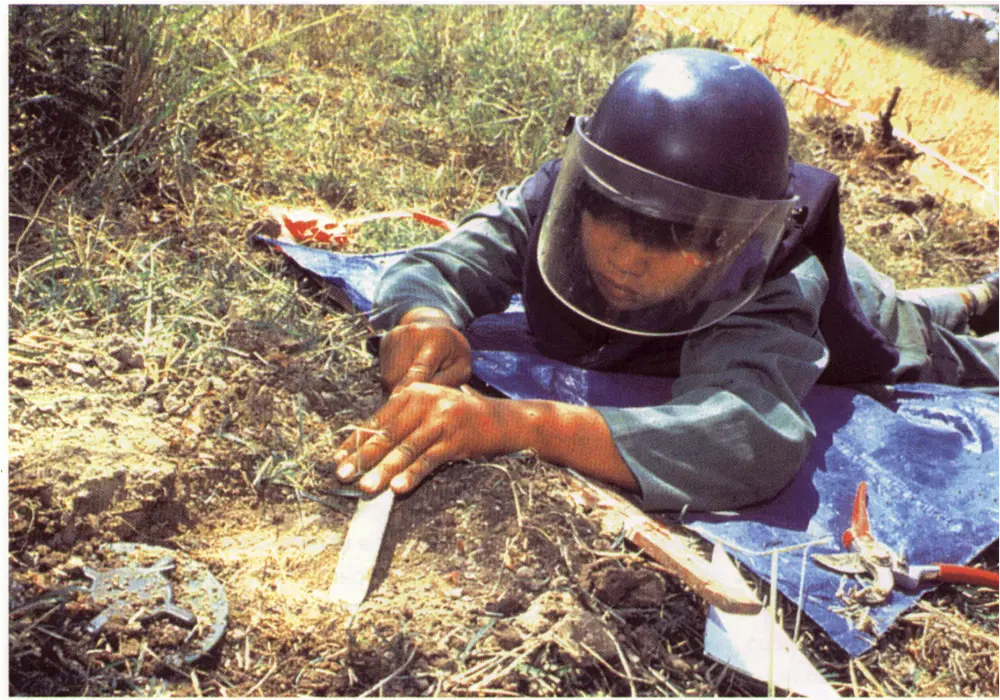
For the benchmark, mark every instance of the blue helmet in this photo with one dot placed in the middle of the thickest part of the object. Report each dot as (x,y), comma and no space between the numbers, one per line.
(701,117)
(672,197)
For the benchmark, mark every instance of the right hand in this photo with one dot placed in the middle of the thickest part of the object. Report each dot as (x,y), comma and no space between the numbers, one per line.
(422,427)
(425,346)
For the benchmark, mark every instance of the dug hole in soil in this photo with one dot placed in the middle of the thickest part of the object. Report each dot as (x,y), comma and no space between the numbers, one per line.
(491,580)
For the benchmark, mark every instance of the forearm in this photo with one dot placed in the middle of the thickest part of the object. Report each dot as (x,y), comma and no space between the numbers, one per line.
(571,436)
(470,273)
(713,450)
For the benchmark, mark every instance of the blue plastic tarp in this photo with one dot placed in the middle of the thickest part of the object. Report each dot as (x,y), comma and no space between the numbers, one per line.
(928,452)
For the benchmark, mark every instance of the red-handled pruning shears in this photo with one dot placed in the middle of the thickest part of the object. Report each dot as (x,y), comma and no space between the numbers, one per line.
(889,569)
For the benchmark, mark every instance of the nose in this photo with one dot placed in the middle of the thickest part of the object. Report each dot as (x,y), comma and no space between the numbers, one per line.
(630,258)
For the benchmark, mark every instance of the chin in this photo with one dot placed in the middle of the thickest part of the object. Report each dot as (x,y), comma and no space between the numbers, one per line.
(623,307)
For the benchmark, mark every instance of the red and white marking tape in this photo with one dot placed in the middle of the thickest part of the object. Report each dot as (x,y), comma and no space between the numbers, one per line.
(305,226)
(759,60)
(974,15)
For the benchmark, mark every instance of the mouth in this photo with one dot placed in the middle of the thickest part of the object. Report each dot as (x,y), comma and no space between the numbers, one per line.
(613,292)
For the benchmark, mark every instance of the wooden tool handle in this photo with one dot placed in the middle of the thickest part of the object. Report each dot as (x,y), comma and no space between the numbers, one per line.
(669,545)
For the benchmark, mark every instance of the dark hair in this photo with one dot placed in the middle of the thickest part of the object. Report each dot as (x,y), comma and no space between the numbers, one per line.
(648,230)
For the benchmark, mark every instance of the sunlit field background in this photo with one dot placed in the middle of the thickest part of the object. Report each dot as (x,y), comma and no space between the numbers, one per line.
(941,110)
(149,332)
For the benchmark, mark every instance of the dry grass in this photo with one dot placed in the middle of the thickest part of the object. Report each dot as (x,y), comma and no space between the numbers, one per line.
(145,330)
(944,112)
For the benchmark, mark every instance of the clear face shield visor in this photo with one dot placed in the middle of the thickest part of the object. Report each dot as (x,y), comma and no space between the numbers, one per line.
(641,253)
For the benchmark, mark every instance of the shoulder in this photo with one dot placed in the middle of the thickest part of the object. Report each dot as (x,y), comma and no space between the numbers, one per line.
(811,183)
(534,193)
(538,188)
(804,284)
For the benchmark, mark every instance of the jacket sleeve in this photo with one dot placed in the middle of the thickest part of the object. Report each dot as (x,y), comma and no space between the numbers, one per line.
(734,431)
(471,272)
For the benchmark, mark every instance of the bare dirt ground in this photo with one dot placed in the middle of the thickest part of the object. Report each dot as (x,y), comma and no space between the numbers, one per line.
(492,580)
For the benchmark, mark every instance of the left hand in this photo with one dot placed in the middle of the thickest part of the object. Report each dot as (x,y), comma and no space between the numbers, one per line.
(419,428)
(425,346)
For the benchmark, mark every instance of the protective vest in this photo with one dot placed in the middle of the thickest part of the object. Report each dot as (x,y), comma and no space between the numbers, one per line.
(858,351)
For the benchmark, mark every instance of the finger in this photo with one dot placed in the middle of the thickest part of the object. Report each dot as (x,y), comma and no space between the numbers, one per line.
(358,436)
(420,469)
(410,453)
(453,374)
(402,415)
(368,449)
(431,358)
(399,444)
(351,456)
(403,456)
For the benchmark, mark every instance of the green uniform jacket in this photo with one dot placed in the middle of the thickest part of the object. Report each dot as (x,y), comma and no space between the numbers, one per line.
(734,432)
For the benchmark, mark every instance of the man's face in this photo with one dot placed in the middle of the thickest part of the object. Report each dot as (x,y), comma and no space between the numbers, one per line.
(631,275)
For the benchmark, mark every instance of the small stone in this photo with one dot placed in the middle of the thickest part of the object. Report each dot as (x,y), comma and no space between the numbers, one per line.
(150,406)
(128,358)
(678,664)
(583,635)
(174,404)
(137,383)
(75,368)
(525,572)
(560,581)
(74,564)
(510,603)
(545,609)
